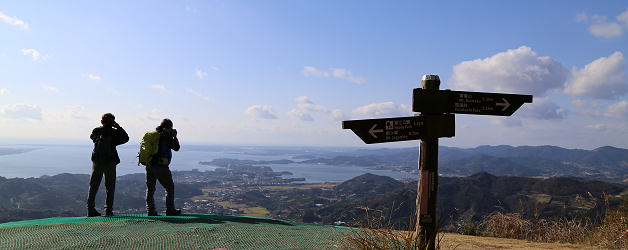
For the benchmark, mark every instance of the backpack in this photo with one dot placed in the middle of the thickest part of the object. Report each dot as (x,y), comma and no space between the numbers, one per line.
(103,149)
(148,147)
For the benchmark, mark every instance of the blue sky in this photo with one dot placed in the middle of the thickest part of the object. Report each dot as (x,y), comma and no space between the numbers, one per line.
(287,72)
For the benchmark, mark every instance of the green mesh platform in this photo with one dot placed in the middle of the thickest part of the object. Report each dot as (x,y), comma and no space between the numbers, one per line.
(188,231)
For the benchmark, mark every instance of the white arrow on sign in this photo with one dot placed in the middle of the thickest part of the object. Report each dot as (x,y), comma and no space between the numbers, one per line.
(504,104)
(372,131)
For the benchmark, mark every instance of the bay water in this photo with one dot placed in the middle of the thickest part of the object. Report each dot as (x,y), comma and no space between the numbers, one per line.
(38,160)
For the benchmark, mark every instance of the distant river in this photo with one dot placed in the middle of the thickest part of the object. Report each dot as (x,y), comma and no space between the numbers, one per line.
(56,159)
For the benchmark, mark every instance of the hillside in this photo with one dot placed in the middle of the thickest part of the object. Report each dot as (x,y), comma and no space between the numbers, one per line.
(607,163)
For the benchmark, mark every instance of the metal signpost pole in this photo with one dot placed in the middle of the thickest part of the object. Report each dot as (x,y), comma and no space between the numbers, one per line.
(428,178)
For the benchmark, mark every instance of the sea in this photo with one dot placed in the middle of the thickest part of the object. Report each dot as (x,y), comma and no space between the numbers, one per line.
(40,160)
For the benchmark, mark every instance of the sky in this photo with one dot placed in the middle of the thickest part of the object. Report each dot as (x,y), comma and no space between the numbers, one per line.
(288,72)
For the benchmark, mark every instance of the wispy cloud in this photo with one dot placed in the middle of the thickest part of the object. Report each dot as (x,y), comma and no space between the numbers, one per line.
(20,110)
(307,107)
(200,74)
(339,73)
(312,71)
(214,68)
(159,87)
(600,27)
(50,88)
(301,115)
(14,21)
(91,77)
(3,91)
(618,110)
(261,111)
(197,94)
(32,53)
(382,109)
(347,75)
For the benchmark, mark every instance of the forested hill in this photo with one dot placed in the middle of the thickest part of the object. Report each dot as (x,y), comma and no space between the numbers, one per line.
(605,163)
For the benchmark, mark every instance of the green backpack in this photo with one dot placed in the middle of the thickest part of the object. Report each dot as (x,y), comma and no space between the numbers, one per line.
(148,147)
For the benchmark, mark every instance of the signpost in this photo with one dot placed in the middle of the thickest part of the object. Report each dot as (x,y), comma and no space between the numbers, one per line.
(436,120)
(462,102)
(401,128)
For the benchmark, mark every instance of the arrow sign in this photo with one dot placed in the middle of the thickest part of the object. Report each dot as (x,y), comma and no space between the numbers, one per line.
(402,128)
(464,102)
(372,131)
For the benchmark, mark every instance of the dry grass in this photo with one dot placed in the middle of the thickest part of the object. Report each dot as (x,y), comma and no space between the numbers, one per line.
(380,235)
(611,233)
(513,226)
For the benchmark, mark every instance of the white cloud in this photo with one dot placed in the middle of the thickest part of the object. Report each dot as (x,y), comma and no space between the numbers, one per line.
(383,109)
(582,17)
(604,78)
(197,94)
(618,110)
(506,121)
(306,106)
(586,108)
(214,68)
(597,127)
(337,115)
(18,111)
(3,91)
(155,115)
(77,112)
(543,108)
(32,53)
(347,75)
(520,71)
(301,115)
(259,111)
(159,87)
(14,21)
(200,74)
(311,71)
(50,88)
(606,30)
(602,28)
(339,73)
(623,18)
(92,77)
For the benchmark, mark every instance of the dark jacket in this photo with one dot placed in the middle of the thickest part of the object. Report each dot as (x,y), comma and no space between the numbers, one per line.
(118,137)
(167,142)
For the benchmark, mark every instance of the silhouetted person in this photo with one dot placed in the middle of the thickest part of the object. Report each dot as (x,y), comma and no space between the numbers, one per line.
(158,169)
(104,160)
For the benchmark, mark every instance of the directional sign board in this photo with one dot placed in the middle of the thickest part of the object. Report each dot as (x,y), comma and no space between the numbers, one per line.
(402,128)
(463,102)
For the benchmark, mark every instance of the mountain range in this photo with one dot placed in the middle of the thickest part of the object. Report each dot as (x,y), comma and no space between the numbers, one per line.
(605,163)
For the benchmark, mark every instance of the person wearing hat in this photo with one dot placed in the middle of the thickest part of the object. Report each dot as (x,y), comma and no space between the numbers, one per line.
(104,160)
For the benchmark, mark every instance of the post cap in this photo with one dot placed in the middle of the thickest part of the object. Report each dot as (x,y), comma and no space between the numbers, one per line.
(430,77)
(431,82)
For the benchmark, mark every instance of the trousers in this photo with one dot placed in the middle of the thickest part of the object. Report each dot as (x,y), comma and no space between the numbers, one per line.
(164,176)
(108,169)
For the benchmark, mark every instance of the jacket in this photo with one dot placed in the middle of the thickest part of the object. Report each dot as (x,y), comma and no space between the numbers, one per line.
(118,137)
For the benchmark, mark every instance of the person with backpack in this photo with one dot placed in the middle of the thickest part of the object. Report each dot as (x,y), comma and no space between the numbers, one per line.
(104,160)
(157,167)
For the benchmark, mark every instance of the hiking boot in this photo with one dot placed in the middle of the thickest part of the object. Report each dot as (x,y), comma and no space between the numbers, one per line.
(173,212)
(152,213)
(92,213)
(108,212)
